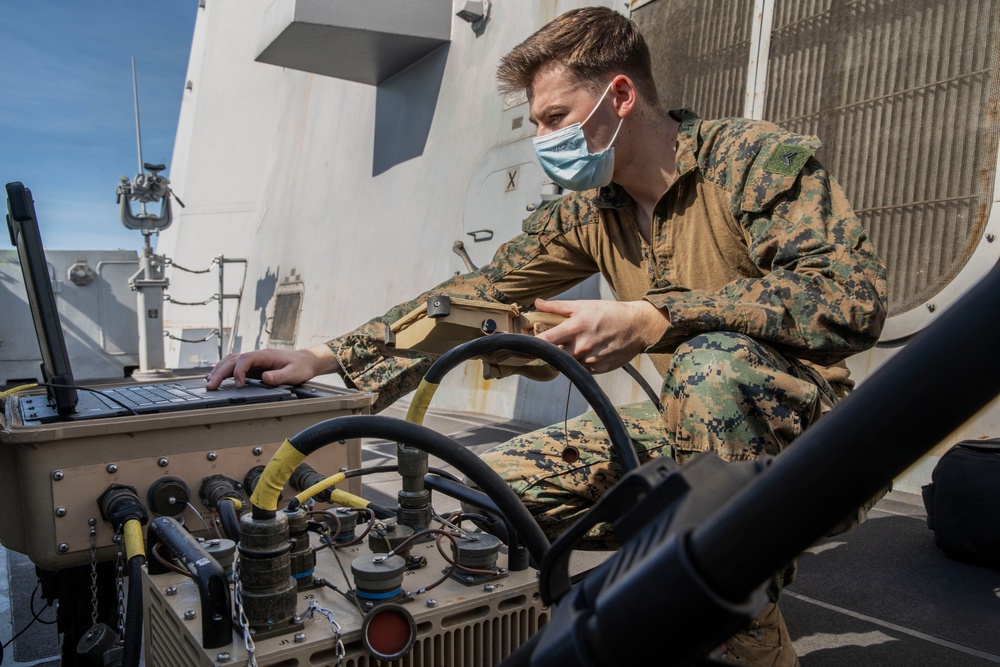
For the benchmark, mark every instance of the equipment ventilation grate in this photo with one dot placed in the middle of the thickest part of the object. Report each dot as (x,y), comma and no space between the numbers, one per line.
(903,94)
(287,307)
(485,643)
(700,51)
(167,645)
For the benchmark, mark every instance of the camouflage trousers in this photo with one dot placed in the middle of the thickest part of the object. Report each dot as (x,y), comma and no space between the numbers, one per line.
(723,392)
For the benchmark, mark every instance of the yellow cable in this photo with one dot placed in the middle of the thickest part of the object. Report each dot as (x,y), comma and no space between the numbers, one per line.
(237,503)
(22,387)
(347,499)
(275,475)
(421,401)
(134,545)
(320,486)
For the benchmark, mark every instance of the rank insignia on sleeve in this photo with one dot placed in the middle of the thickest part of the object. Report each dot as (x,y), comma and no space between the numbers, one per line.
(787,159)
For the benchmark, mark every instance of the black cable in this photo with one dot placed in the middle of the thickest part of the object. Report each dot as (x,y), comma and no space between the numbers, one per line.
(35,616)
(381,512)
(436,444)
(444,473)
(561,360)
(131,652)
(230,520)
(641,381)
(391,467)
(471,496)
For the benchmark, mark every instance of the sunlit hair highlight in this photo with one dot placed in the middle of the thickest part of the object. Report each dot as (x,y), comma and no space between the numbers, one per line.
(593,43)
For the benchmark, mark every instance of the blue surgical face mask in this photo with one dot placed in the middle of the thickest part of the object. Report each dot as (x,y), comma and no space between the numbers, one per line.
(564,156)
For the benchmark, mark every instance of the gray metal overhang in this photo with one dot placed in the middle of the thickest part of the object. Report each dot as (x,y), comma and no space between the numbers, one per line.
(367,42)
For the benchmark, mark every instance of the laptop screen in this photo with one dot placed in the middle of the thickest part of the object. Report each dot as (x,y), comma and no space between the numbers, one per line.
(24,233)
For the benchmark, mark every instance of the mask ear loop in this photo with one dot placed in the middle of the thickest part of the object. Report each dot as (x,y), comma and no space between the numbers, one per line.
(594,110)
(614,136)
(598,105)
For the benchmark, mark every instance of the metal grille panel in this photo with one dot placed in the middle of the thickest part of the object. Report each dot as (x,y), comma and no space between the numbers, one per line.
(483,643)
(903,94)
(700,51)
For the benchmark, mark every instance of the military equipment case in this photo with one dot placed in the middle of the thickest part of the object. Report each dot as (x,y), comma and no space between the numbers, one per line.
(52,475)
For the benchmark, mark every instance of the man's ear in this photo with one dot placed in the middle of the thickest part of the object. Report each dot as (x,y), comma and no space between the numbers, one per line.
(624,94)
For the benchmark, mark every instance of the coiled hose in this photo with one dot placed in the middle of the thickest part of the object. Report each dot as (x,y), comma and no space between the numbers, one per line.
(294,450)
(558,358)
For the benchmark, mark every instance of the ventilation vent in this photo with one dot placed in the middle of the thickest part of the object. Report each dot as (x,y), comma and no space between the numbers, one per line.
(903,94)
(700,52)
(481,634)
(287,307)
(167,645)
(481,644)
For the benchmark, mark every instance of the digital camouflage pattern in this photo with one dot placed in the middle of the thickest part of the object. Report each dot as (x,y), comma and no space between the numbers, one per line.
(723,392)
(560,471)
(769,282)
(735,246)
(766,273)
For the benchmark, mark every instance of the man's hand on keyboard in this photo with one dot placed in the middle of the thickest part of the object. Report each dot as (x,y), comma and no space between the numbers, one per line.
(274,367)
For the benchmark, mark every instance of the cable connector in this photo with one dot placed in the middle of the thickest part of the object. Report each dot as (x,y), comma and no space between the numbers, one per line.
(216,488)
(120,503)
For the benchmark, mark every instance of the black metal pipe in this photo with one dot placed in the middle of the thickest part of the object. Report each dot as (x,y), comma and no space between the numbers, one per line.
(888,423)
(563,362)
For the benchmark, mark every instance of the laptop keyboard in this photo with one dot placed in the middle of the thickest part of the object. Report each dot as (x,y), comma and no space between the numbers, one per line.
(140,396)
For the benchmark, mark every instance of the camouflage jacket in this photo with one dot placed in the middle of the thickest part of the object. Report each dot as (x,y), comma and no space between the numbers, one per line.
(754,236)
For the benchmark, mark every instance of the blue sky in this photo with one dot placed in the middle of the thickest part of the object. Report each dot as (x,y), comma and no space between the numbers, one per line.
(67,121)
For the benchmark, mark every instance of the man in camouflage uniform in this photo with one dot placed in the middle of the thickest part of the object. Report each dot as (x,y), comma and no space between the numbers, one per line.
(739,265)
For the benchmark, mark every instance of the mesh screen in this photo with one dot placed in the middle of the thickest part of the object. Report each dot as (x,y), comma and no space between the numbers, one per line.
(700,51)
(903,94)
(286,317)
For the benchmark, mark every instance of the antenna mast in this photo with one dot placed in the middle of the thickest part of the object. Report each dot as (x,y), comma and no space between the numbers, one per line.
(150,280)
(138,130)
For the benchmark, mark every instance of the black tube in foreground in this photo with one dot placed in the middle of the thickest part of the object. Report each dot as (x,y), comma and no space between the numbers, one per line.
(559,359)
(441,446)
(132,650)
(938,381)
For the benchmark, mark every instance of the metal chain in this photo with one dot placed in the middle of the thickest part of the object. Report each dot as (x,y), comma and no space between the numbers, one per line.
(244,621)
(210,336)
(93,571)
(314,607)
(167,297)
(353,597)
(120,585)
(170,262)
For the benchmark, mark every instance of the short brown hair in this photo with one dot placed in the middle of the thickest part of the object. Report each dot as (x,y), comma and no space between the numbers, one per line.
(591,43)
